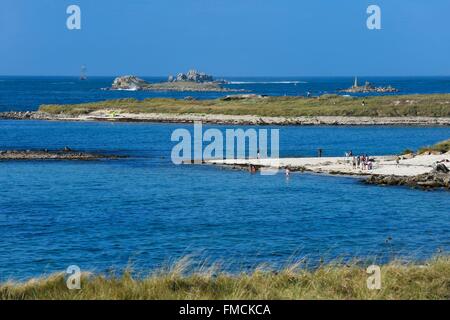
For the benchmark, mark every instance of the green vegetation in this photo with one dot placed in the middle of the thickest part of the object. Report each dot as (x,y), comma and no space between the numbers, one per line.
(441,147)
(407,151)
(431,105)
(430,280)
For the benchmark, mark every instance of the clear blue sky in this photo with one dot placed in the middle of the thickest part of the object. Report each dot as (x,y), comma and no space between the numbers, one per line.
(225,37)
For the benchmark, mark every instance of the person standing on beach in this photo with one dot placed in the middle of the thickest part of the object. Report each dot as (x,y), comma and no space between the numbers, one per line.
(354,162)
(320,151)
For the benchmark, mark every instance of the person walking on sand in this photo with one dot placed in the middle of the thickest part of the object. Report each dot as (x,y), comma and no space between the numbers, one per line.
(397,161)
(354,162)
(320,151)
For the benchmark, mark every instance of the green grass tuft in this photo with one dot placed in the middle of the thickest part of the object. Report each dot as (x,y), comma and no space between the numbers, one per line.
(441,147)
(430,280)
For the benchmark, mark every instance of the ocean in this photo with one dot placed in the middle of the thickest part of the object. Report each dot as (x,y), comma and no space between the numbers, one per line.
(27,93)
(146,212)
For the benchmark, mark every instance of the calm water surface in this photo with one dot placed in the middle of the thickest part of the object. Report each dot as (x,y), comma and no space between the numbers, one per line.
(27,93)
(145,211)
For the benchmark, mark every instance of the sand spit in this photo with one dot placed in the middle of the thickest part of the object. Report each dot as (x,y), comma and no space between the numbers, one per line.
(415,171)
(110,115)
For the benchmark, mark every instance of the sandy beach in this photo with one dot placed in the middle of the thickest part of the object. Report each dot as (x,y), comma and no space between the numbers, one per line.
(383,165)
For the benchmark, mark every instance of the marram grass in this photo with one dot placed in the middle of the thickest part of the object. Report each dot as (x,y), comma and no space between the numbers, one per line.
(440,147)
(429,280)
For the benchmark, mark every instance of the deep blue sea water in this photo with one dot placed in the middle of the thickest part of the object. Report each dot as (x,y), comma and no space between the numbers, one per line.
(27,93)
(145,211)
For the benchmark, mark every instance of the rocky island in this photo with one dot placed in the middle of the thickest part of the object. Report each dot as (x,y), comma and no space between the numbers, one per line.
(368,88)
(190,81)
(251,109)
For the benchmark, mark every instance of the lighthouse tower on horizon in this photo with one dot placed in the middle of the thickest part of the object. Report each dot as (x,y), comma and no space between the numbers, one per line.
(83,75)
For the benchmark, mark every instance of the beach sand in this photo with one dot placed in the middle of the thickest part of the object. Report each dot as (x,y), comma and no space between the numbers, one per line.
(383,165)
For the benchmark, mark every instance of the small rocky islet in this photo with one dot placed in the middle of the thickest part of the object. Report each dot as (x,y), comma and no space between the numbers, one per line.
(44,154)
(369,88)
(191,81)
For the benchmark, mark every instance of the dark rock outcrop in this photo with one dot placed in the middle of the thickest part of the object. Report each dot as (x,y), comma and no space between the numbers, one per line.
(432,180)
(192,75)
(241,97)
(64,154)
(16,115)
(27,115)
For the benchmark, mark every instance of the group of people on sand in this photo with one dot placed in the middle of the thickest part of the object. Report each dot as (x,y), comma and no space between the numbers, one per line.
(362,162)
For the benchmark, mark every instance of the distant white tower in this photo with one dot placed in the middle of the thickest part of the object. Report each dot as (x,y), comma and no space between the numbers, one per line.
(83,75)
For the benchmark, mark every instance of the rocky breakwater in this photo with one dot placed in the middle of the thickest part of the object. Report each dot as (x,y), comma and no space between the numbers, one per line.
(64,154)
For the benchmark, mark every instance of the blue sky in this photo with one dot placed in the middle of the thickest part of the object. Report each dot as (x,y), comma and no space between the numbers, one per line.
(225,37)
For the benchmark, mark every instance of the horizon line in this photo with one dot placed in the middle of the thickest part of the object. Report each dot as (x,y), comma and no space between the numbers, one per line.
(232,76)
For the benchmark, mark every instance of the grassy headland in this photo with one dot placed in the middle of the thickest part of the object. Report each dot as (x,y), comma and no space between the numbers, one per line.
(430,280)
(429,105)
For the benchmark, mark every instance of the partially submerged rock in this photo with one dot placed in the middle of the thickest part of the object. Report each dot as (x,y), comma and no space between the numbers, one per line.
(64,154)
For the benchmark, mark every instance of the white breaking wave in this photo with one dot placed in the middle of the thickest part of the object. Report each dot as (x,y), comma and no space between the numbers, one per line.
(129,89)
(266,82)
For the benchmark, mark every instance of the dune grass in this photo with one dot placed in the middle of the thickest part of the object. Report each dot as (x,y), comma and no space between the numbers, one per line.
(440,147)
(430,280)
(430,105)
